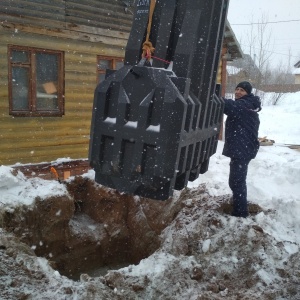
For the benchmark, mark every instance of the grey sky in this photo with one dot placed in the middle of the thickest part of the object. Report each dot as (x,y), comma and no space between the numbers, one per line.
(285,31)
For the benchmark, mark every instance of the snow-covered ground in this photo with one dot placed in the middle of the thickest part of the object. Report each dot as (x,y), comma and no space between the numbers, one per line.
(273,179)
(273,184)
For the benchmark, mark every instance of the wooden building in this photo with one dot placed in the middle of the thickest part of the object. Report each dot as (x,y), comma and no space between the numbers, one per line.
(296,72)
(52,55)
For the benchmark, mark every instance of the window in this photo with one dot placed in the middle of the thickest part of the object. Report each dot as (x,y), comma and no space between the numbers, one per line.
(104,62)
(36,82)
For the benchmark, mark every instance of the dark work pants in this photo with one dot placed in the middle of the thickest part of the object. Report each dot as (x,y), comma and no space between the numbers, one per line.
(237,183)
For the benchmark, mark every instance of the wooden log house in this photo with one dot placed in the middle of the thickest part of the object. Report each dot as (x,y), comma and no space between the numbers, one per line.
(52,55)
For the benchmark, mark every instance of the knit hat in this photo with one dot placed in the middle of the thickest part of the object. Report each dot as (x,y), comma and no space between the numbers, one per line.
(246,86)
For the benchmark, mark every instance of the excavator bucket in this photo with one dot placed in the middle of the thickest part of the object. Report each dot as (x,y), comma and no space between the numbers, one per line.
(156,123)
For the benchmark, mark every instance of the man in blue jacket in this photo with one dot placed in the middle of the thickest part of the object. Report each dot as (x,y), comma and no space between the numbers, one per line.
(241,142)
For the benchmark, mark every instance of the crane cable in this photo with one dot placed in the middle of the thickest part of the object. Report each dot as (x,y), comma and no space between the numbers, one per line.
(148,48)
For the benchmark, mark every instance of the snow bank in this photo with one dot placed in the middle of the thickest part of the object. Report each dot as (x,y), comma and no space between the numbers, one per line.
(17,189)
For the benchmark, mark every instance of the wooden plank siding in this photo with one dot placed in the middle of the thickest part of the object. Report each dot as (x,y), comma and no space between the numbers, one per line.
(82,29)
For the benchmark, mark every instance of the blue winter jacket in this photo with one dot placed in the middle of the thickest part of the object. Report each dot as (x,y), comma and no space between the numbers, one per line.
(241,127)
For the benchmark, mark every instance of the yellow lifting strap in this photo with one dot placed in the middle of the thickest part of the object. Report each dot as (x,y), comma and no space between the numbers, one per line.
(148,49)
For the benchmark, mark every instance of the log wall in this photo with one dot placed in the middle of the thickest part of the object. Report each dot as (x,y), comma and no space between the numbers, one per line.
(83,30)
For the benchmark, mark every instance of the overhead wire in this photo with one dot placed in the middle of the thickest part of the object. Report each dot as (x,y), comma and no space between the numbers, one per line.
(270,22)
(263,23)
(271,51)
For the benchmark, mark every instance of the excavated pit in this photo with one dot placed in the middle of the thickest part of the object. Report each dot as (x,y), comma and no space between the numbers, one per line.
(91,230)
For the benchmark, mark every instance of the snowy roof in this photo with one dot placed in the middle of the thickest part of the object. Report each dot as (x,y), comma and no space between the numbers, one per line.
(233,70)
(297,65)
(296,71)
(232,43)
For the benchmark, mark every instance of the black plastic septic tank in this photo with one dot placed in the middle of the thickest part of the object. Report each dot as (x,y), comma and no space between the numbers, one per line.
(156,124)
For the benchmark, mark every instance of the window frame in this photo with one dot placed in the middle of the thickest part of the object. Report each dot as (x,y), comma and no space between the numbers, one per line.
(112,59)
(32,99)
